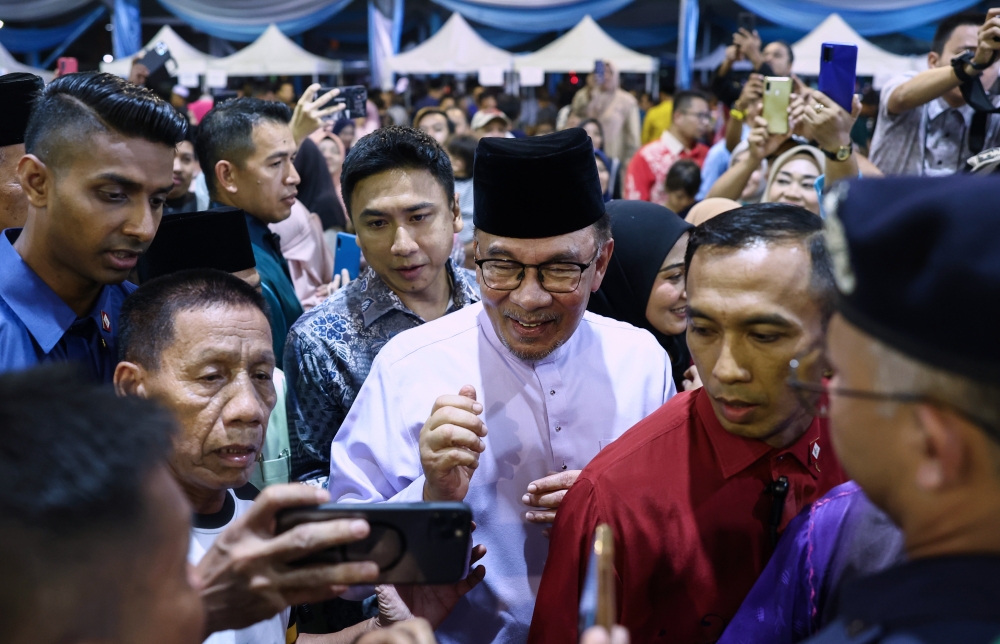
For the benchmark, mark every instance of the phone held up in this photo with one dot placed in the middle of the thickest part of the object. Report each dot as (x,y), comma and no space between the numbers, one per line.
(355,97)
(599,71)
(412,543)
(838,65)
(747,20)
(598,605)
(777,96)
(348,255)
(67,65)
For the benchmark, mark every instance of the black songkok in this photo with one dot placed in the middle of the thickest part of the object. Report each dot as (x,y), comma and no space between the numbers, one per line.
(917,266)
(216,239)
(536,187)
(18,92)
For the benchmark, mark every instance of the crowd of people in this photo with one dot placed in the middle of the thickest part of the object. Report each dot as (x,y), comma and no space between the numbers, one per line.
(735,348)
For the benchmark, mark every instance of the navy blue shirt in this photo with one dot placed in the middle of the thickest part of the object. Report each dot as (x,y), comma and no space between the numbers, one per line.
(37,326)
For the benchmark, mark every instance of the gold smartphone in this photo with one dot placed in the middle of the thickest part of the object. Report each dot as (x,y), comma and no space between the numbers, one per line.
(777,95)
(598,606)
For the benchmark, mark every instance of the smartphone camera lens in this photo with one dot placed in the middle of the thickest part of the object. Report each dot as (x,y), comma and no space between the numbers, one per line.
(828,54)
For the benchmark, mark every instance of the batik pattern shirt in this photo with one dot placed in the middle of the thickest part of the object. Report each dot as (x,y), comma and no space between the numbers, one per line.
(329,353)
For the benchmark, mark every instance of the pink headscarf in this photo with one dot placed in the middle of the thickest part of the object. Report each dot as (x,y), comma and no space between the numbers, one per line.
(310,260)
(317,137)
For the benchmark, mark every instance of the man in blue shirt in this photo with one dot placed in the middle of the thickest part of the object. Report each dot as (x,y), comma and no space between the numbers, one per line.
(247,150)
(97,169)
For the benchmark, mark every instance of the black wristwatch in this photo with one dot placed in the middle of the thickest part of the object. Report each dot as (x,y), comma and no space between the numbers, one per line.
(843,153)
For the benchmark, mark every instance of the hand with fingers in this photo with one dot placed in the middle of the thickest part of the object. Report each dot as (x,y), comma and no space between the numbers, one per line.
(547,493)
(752,93)
(311,111)
(245,577)
(762,143)
(413,631)
(827,123)
(431,602)
(989,39)
(600,635)
(749,44)
(339,282)
(450,444)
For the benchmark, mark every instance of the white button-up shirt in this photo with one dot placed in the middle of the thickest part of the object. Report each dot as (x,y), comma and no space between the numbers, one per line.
(545,416)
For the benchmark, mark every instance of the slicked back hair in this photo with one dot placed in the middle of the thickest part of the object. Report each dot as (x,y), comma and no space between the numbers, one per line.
(226,132)
(146,324)
(391,148)
(772,223)
(71,109)
(76,462)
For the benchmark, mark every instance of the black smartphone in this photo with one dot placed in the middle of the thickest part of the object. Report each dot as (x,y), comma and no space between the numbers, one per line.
(355,97)
(412,543)
(747,20)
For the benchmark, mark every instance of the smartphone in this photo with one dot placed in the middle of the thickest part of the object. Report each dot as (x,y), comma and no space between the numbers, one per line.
(355,97)
(777,95)
(747,20)
(598,605)
(412,543)
(348,255)
(67,65)
(838,65)
(599,71)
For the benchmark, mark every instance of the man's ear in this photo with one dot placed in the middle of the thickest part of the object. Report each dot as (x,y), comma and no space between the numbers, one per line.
(601,265)
(225,176)
(456,212)
(945,454)
(36,180)
(130,380)
(932,59)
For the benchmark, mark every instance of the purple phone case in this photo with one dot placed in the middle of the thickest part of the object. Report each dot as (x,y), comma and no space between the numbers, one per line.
(837,72)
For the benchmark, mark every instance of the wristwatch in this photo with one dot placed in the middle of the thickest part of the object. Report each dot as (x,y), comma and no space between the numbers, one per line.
(843,153)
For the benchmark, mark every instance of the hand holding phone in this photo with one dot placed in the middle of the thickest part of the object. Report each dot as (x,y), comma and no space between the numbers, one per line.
(354,98)
(450,444)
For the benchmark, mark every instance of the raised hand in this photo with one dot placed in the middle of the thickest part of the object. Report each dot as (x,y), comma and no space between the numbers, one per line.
(310,112)
(450,444)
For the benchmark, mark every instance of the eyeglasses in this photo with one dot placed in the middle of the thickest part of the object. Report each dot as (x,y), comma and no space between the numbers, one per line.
(555,277)
(814,395)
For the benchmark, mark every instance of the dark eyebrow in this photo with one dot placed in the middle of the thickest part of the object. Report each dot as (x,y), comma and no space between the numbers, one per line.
(671,267)
(374,212)
(280,154)
(772,319)
(124,182)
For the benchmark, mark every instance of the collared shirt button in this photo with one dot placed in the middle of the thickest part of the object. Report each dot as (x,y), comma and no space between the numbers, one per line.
(564,466)
(552,392)
(558,429)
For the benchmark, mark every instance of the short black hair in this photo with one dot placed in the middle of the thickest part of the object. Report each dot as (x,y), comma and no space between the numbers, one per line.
(395,147)
(76,462)
(463,146)
(682,100)
(226,132)
(788,48)
(773,223)
(509,105)
(684,175)
(948,26)
(72,108)
(146,323)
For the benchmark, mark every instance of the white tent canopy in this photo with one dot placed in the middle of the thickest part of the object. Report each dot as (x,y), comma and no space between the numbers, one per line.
(189,60)
(578,48)
(455,49)
(872,60)
(9,65)
(274,53)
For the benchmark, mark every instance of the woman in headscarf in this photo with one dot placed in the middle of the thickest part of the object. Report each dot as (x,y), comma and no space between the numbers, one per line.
(316,189)
(644,283)
(793,176)
(334,152)
(310,261)
(345,130)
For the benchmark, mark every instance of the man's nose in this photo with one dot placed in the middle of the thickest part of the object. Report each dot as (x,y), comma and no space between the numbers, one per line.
(293,178)
(244,405)
(727,368)
(530,295)
(403,243)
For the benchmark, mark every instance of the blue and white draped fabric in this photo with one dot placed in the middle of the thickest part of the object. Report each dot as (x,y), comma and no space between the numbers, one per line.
(686,42)
(126,38)
(246,20)
(385,28)
(532,16)
(26,11)
(867,17)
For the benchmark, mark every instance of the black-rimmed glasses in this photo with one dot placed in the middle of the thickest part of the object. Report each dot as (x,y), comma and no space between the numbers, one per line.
(808,379)
(555,277)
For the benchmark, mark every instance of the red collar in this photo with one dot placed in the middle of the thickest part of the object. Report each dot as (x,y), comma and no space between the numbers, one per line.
(736,453)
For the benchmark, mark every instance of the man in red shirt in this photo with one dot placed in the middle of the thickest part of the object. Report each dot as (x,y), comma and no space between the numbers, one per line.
(697,493)
(647,171)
